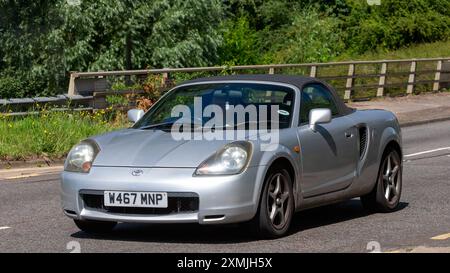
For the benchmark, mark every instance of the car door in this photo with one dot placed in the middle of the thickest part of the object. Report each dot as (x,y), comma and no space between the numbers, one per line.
(329,153)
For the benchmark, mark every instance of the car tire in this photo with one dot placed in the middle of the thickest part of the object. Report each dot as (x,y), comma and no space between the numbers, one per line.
(276,205)
(385,196)
(90,226)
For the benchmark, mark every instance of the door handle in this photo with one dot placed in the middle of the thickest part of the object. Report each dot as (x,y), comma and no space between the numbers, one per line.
(348,135)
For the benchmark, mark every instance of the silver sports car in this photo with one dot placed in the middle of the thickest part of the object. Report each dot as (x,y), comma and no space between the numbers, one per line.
(244,148)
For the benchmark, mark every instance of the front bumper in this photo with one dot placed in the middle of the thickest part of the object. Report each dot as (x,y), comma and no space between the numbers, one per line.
(220,199)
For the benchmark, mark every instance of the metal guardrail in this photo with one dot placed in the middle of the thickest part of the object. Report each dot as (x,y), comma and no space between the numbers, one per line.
(377,76)
(25,106)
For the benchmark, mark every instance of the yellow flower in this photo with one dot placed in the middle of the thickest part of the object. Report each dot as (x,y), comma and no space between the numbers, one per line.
(10,125)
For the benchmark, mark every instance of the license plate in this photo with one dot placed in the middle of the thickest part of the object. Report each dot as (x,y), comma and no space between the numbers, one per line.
(135,199)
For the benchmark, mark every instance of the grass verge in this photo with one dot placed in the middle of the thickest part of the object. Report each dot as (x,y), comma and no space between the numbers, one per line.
(426,50)
(51,134)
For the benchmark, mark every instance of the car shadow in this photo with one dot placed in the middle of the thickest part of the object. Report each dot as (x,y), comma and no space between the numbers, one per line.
(332,214)
(232,233)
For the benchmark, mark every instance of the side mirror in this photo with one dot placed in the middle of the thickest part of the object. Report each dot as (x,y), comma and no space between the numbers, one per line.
(135,114)
(317,116)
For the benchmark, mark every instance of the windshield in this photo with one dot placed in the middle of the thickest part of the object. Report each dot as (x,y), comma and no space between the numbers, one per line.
(228,104)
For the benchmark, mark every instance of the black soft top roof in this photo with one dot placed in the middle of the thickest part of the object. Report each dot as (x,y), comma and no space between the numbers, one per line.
(297,81)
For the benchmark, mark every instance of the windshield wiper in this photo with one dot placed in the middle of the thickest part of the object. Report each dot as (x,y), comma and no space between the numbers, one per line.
(167,124)
(162,124)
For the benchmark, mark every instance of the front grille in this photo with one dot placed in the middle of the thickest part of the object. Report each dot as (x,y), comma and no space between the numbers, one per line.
(176,203)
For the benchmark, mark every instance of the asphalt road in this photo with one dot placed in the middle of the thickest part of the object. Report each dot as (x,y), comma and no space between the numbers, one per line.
(31,219)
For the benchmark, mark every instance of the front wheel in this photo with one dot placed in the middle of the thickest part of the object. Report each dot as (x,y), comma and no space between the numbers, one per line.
(385,196)
(91,226)
(276,207)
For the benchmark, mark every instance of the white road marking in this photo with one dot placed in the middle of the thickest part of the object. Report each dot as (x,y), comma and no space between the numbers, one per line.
(28,172)
(421,249)
(25,176)
(441,237)
(2,228)
(428,151)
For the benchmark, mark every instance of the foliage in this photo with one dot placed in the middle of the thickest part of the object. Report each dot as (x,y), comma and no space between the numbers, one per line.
(154,86)
(395,24)
(310,38)
(41,41)
(51,134)
(10,87)
(163,33)
(240,43)
(117,100)
(122,86)
(427,50)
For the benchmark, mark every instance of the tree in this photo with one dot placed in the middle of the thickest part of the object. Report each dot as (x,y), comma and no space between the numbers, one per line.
(162,33)
(42,41)
(29,64)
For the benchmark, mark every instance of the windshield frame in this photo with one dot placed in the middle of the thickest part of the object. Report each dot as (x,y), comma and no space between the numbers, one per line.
(296,93)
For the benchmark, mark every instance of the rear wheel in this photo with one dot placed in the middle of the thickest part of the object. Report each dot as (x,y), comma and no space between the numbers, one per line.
(276,207)
(91,226)
(385,196)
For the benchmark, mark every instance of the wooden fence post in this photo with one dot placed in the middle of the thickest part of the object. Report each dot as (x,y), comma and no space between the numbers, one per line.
(165,79)
(71,90)
(271,72)
(382,81)
(349,84)
(437,76)
(313,71)
(412,78)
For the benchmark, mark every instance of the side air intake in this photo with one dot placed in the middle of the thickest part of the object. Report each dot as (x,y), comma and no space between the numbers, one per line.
(362,141)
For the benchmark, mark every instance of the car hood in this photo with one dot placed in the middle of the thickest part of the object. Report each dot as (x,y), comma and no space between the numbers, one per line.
(152,148)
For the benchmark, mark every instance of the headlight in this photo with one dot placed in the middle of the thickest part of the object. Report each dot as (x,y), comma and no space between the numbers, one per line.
(81,156)
(231,159)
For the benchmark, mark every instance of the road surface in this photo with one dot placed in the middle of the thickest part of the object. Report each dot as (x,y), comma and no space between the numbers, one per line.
(31,219)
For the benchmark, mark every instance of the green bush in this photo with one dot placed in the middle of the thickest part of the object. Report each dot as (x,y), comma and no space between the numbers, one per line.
(395,24)
(239,43)
(10,87)
(310,38)
(19,85)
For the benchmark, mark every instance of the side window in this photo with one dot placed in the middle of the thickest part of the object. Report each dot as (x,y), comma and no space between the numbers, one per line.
(316,96)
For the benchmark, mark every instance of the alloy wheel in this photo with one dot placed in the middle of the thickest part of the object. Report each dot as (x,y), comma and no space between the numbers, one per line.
(278,203)
(391,177)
